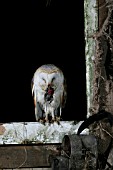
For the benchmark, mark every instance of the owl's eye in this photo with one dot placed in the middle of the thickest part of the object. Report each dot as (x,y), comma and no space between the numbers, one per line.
(53,79)
(44,80)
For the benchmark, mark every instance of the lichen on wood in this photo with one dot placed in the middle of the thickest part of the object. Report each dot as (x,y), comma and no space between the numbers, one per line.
(91,23)
(37,133)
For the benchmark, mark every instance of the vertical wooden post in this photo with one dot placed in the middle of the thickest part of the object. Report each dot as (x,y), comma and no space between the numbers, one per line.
(91,26)
(103,73)
(103,61)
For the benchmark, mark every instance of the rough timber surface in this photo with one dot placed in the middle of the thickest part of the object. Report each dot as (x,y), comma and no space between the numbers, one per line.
(26,156)
(30,144)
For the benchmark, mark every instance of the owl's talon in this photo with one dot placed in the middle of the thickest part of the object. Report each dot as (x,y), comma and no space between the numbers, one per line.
(58,122)
(41,121)
(46,120)
(57,119)
(53,119)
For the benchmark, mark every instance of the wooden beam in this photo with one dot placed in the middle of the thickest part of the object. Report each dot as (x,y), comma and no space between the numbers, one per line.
(31,144)
(27,156)
(35,133)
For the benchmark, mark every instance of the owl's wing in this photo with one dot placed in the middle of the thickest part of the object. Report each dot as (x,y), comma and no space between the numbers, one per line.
(33,93)
(38,108)
(32,86)
(64,96)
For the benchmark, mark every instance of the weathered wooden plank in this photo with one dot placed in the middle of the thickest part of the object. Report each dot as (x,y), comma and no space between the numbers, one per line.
(29,169)
(35,132)
(41,169)
(25,169)
(36,156)
(6,169)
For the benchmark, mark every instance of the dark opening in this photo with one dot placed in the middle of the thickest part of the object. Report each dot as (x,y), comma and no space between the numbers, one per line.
(35,33)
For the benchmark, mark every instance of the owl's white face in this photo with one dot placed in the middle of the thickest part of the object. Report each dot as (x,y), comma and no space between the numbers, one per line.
(55,80)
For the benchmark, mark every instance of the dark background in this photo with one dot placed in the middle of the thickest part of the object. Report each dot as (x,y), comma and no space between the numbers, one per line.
(34,33)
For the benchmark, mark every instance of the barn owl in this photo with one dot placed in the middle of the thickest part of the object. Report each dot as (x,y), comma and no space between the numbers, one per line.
(49,93)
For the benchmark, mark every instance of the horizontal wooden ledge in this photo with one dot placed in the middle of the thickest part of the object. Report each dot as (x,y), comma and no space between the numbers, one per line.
(26,156)
(36,133)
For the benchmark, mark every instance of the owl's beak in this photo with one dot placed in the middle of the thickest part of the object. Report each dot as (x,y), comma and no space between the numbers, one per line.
(49,93)
(50,90)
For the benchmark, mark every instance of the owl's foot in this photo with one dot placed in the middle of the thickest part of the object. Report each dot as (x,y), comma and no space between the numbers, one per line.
(52,120)
(49,119)
(58,120)
(55,119)
(42,121)
(46,120)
